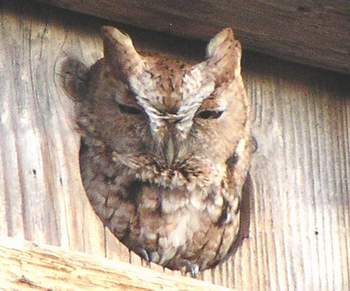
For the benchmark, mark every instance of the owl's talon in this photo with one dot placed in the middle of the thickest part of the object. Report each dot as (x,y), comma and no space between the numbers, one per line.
(189,267)
(193,269)
(154,257)
(228,219)
(143,253)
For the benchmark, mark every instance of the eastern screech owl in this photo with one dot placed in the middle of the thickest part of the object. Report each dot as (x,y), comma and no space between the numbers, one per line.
(166,147)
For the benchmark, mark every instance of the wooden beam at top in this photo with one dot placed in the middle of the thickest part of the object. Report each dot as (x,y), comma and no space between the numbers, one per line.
(310,32)
(27,266)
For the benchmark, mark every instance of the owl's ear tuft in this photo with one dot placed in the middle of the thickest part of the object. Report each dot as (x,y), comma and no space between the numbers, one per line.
(224,55)
(120,53)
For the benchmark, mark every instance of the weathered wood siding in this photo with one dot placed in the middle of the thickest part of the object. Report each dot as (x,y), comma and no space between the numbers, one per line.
(306,31)
(27,266)
(300,206)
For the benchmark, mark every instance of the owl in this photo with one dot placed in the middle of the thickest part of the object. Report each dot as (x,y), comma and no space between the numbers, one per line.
(165,150)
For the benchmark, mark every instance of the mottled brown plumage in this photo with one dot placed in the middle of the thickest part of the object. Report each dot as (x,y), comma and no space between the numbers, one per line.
(166,147)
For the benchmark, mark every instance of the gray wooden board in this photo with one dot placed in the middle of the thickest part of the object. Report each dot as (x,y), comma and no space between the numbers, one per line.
(300,220)
(306,31)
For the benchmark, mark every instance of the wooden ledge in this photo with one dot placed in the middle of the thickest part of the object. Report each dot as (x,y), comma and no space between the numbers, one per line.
(28,266)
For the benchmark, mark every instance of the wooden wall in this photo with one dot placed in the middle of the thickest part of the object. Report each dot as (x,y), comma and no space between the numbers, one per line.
(300,206)
(306,31)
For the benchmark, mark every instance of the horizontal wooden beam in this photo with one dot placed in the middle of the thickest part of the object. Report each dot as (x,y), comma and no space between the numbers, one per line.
(311,32)
(27,266)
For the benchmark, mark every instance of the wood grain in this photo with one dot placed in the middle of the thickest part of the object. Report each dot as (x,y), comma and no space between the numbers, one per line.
(27,266)
(300,205)
(310,32)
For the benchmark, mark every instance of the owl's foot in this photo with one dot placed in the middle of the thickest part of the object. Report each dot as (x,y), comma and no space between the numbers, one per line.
(189,267)
(193,269)
(226,218)
(148,256)
(144,254)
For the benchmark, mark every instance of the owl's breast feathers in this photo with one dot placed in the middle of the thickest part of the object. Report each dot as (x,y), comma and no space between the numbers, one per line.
(187,213)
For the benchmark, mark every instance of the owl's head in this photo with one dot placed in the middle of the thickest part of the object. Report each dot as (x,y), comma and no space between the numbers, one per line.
(170,122)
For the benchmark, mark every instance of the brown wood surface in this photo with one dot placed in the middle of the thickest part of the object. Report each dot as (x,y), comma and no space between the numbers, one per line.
(310,32)
(299,237)
(27,266)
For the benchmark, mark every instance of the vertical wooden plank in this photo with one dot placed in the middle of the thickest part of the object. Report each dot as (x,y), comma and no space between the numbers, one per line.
(114,249)
(296,168)
(299,233)
(42,188)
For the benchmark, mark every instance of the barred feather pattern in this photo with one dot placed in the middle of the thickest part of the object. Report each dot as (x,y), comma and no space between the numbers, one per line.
(166,147)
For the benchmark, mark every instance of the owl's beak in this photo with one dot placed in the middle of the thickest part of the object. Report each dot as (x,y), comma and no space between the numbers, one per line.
(170,151)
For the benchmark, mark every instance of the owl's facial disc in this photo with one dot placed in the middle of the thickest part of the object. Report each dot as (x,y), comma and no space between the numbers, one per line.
(175,99)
